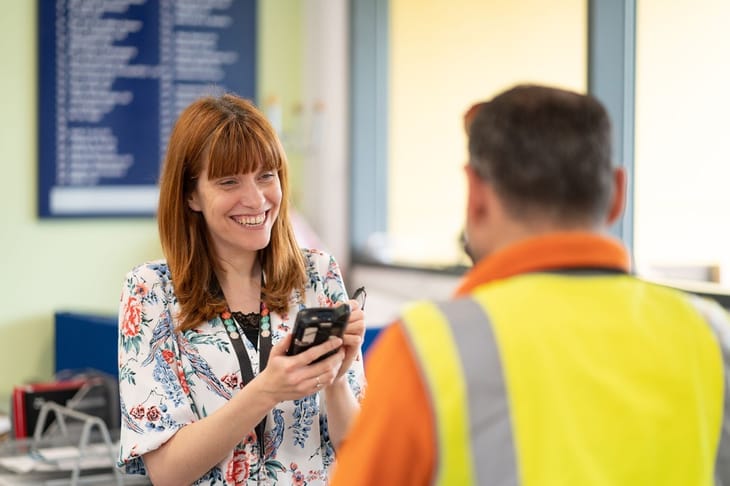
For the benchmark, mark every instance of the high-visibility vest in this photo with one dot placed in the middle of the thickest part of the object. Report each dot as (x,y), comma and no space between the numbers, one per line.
(552,379)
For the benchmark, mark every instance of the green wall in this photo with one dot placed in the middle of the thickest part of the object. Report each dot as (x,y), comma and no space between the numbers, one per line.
(78,265)
(280,71)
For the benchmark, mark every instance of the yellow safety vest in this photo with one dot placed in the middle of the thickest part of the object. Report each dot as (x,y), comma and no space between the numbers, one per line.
(553,379)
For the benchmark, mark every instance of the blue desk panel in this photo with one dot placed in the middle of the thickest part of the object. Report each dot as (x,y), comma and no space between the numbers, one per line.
(90,341)
(86,341)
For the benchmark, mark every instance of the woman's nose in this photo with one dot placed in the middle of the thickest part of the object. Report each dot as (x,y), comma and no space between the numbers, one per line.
(251,195)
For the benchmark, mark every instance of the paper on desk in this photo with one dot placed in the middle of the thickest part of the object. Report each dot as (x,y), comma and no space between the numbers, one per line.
(4,424)
(59,459)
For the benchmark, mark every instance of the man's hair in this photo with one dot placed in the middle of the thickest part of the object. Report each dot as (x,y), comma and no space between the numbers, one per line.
(230,136)
(546,151)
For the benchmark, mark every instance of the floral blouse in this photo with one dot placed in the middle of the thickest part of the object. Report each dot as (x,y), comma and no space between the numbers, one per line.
(169,379)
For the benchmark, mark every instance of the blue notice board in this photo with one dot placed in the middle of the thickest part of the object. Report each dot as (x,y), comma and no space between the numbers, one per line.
(113,78)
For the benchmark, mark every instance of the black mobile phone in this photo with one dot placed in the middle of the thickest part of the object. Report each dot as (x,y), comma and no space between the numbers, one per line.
(315,325)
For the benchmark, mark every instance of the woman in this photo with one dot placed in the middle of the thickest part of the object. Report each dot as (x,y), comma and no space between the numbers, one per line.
(208,394)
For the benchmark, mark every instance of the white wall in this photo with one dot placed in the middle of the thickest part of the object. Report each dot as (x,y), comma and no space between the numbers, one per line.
(324,183)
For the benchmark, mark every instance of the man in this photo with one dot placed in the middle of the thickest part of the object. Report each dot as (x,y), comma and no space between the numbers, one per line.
(552,365)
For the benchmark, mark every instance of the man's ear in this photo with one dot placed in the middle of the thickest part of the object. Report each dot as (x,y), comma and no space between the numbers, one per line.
(477,202)
(618,200)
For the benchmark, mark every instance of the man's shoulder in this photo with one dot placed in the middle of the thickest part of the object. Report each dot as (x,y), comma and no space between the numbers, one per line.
(714,314)
(438,305)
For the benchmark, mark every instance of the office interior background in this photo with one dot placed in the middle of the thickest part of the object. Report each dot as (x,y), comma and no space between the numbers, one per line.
(370,95)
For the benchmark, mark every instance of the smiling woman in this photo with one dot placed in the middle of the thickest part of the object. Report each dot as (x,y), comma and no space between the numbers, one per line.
(208,393)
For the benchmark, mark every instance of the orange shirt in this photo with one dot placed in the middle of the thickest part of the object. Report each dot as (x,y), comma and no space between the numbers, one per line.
(394,439)
(395,430)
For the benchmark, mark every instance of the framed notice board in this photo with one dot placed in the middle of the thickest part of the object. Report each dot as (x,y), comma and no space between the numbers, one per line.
(113,77)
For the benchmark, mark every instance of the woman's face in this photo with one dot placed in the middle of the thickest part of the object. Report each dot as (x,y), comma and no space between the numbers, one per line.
(239,210)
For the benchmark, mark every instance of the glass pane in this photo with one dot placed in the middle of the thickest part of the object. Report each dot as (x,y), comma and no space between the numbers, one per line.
(682,125)
(445,55)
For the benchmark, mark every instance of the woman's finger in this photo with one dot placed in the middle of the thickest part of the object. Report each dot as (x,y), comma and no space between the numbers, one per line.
(315,352)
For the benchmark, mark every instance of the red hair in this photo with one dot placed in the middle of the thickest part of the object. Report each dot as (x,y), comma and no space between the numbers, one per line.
(234,137)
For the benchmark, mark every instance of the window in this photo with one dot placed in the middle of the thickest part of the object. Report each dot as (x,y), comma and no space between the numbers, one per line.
(434,60)
(682,166)
(659,67)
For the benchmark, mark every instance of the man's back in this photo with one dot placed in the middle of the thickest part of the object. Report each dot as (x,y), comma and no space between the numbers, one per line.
(552,365)
(609,379)
(581,374)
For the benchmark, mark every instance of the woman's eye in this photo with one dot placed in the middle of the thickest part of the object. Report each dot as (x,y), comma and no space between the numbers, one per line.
(267,176)
(227,182)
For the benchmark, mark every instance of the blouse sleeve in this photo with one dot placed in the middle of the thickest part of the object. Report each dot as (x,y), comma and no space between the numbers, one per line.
(153,391)
(332,291)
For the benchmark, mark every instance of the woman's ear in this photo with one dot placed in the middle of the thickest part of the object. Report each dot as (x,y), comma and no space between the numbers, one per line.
(193,202)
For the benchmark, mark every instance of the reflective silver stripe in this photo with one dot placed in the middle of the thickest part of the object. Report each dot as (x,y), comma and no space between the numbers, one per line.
(492,441)
(718,320)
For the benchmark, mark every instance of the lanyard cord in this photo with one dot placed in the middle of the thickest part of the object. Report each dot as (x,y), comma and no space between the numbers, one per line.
(244,361)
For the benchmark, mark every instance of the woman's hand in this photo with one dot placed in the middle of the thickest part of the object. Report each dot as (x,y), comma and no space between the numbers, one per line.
(353,336)
(292,377)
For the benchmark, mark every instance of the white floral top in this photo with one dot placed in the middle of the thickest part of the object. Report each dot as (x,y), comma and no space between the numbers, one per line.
(169,379)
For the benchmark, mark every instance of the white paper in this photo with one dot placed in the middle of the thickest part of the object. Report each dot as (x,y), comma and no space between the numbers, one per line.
(59,459)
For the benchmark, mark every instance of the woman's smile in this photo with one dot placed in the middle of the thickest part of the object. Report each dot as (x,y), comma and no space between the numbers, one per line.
(251,221)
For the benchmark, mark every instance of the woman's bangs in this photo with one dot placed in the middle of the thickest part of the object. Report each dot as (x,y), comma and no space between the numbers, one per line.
(235,149)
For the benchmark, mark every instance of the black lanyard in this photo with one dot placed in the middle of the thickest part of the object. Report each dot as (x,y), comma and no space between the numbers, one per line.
(247,375)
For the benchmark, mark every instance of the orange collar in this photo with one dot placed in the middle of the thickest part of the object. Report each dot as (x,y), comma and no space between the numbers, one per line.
(548,252)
